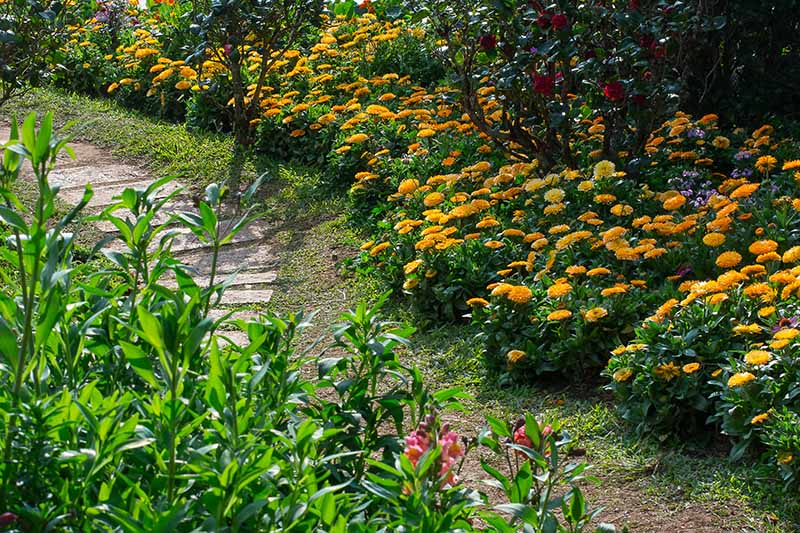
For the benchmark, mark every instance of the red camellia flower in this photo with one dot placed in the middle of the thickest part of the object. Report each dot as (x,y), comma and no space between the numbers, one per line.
(543,84)
(488,41)
(559,21)
(614,91)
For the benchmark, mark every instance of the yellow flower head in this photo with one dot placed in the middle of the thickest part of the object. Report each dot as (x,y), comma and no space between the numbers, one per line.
(740,378)
(691,368)
(519,294)
(757,357)
(593,315)
(728,259)
(560,314)
(622,375)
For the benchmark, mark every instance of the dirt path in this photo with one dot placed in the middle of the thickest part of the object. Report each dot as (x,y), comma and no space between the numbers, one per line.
(249,256)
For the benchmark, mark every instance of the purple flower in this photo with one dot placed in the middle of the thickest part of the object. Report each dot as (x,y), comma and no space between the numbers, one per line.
(785,323)
(696,133)
(742,155)
(742,173)
(683,271)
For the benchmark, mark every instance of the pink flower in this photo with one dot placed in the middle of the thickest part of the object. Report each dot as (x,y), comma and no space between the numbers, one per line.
(451,452)
(521,438)
(416,445)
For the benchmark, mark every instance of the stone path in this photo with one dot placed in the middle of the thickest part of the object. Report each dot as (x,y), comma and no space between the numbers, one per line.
(249,256)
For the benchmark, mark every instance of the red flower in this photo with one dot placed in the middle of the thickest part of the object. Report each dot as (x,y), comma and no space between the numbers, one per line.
(488,41)
(559,22)
(614,91)
(543,84)
(7,518)
(543,21)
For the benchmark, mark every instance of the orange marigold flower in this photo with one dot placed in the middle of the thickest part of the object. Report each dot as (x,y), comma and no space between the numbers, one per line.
(728,259)
(519,294)
(743,191)
(675,202)
(714,239)
(759,418)
(560,314)
(691,368)
(477,302)
(757,357)
(740,378)
(765,163)
(763,247)
(593,315)
(558,290)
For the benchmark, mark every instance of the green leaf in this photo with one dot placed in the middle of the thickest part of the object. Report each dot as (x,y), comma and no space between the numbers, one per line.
(151,328)
(139,362)
(11,218)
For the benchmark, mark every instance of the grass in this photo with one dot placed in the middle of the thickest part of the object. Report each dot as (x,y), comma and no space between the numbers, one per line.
(312,236)
(168,149)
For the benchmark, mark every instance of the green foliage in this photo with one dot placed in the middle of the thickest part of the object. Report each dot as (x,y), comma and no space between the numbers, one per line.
(30,35)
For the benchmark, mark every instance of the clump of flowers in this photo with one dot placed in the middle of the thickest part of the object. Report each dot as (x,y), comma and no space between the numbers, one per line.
(430,436)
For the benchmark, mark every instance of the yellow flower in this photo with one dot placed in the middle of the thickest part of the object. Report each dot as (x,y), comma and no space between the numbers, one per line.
(787,333)
(691,368)
(785,457)
(554,196)
(743,191)
(791,165)
(519,294)
(721,142)
(792,255)
(764,312)
(433,199)
(593,315)
(740,378)
(412,266)
(408,186)
(560,314)
(757,357)
(379,248)
(357,138)
(675,202)
(410,284)
(728,259)
(558,290)
(515,356)
(763,247)
(494,245)
(714,239)
(746,329)
(576,270)
(622,374)
(765,163)
(599,271)
(716,373)
(603,169)
(667,372)
(759,418)
(477,302)
(367,245)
